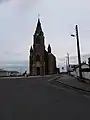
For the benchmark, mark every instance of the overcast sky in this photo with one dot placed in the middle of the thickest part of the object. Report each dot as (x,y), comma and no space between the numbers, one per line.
(18,20)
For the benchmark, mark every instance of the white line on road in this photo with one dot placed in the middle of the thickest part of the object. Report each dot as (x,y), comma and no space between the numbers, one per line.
(28,77)
(57,87)
(10,77)
(56,77)
(87,96)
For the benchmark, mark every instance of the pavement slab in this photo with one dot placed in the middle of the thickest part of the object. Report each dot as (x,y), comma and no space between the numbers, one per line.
(74,83)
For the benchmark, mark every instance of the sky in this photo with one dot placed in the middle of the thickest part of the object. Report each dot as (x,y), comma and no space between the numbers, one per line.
(18,19)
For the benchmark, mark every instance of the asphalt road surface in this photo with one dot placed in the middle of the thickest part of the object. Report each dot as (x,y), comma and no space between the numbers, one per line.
(38,99)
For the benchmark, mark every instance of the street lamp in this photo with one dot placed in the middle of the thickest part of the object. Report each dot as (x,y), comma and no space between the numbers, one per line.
(73,35)
(78,50)
(68,58)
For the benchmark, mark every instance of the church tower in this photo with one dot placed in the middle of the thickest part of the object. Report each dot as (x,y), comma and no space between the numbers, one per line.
(31,60)
(37,53)
(42,62)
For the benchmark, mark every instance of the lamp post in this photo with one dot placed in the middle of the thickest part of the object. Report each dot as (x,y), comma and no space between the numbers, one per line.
(78,51)
(68,65)
(68,58)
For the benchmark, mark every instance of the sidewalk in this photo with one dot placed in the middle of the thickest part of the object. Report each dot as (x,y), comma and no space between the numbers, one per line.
(47,76)
(74,83)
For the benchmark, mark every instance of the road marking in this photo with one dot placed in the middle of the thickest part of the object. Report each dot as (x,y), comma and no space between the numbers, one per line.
(87,96)
(27,77)
(10,78)
(56,77)
(57,87)
(67,90)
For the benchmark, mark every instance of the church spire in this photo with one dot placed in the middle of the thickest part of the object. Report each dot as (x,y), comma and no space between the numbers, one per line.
(49,48)
(38,28)
(31,50)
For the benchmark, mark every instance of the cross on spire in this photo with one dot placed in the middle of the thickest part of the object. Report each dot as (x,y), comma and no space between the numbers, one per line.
(38,16)
(38,27)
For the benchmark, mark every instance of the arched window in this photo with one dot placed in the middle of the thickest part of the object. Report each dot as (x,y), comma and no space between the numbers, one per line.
(37,58)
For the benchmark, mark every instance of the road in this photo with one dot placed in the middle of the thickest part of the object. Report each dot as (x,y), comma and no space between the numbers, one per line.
(40,99)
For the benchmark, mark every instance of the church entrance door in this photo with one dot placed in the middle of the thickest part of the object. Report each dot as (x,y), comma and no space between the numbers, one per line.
(38,70)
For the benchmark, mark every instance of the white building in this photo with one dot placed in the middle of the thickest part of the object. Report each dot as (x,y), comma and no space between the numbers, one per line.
(85,74)
(4,73)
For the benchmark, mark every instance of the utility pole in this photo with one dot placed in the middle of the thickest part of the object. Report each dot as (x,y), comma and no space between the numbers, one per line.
(68,58)
(66,66)
(78,50)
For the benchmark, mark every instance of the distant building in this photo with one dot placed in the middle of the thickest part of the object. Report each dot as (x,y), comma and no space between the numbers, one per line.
(89,62)
(71,67)
(85,70)
(4,73)
(13,73)
(41,62)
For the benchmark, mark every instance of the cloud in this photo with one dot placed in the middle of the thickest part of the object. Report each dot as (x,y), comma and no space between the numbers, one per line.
(20,5)
(6,53)
(14,54)
(1,1)
(17,54)
(23,3)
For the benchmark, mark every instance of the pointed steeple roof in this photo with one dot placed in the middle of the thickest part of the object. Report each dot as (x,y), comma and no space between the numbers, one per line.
(38,28)
(31,50)
(38,23)
(49,48)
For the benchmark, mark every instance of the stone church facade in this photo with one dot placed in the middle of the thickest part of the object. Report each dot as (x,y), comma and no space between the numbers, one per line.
(41,62)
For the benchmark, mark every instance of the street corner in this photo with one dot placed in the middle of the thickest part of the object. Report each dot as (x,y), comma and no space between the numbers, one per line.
(54,78)
(73,86)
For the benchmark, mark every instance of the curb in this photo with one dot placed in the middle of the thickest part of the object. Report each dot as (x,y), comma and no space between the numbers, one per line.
(55,78)
(87,81)
(80,89)
(8,77)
